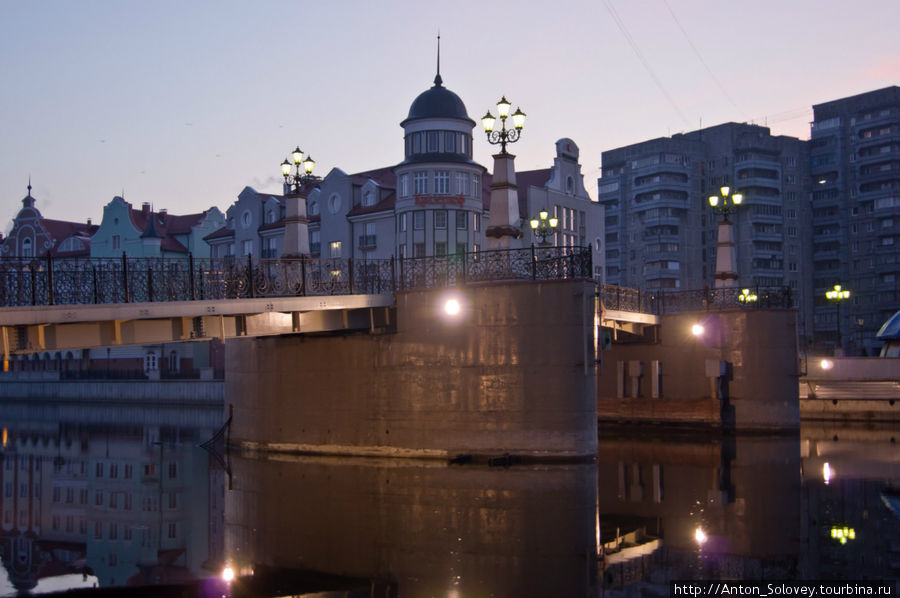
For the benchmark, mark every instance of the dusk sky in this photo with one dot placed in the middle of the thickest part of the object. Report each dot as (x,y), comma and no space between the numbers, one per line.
(182,104)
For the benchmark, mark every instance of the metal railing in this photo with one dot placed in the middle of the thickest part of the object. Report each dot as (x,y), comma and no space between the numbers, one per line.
(662,301)
(68,281)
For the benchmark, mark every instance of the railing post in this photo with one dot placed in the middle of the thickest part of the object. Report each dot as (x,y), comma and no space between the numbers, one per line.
(350,267)
(250,274)
(49,279)
(33,285)
(125,276)
(393,276)
(465,272)
(533,263)
(94,278)
(303,276)
(402,276)
(191,275)
(150,282)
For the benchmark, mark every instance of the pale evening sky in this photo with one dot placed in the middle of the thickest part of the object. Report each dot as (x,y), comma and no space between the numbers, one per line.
(182,104)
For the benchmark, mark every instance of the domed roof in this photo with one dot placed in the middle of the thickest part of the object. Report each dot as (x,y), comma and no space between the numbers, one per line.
(437,102)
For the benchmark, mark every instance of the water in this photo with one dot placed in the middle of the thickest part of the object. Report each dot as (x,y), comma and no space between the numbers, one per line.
(86,500)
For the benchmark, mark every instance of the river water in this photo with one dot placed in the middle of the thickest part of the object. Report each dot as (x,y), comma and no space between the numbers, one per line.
(128,500)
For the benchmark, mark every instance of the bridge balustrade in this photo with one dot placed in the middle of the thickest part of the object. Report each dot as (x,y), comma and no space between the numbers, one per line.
(67,281)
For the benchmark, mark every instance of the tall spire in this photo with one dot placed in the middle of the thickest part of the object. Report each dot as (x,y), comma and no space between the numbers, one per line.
(437,79)
(29,185)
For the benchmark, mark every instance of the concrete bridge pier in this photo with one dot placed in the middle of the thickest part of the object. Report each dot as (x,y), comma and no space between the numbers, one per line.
(512,372)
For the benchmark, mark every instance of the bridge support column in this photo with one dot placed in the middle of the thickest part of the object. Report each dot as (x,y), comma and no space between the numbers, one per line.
(504,374)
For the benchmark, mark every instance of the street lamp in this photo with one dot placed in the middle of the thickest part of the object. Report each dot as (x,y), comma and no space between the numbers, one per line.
(838,295)
(294,179)
(747,297)
(543,226)
(725,208)
(504,135)
(726,250)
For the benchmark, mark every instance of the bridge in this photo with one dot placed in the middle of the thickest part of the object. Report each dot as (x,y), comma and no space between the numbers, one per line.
(56,304)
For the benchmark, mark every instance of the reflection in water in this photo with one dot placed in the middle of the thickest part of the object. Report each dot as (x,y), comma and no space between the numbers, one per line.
(84,501)
(429,529)
(674,507)
(111,504)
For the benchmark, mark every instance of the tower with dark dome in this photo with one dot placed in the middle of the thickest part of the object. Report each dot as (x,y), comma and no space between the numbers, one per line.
(439,186)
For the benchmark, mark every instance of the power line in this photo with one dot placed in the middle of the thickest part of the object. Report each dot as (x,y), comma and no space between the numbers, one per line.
(712,75)
(637,51)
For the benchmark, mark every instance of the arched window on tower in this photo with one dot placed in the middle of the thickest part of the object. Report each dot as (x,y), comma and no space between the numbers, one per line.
(27,249)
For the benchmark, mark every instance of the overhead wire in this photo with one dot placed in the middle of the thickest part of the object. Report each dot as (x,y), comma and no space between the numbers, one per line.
(640,56)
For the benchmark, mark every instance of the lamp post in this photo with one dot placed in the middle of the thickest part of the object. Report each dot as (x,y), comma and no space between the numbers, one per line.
(747,297)
(293,180)
(726,251)
(543,226)
(838,295)
(296,231)
(504,135)
(503,229)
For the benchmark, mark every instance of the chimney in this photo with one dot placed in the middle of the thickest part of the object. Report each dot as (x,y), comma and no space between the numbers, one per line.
(89,221)
(145,208)
(162,215)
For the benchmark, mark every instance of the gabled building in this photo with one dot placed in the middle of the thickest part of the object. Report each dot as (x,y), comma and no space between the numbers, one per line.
(144,233)
(32,235)
(436,202)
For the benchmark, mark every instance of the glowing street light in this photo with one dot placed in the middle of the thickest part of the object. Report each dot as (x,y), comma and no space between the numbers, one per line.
(697,329)
(838,295)
(727,203)
(747,297)
(291,173)
(700,536)
(504,135)
(543,226)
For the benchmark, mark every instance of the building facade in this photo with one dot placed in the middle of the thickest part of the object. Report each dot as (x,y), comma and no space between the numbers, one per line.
(32,235)
(436,202)
(661,232)
(855,192)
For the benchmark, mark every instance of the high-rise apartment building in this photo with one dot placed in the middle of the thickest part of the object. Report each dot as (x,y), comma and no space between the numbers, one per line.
(855,169)
(661,232)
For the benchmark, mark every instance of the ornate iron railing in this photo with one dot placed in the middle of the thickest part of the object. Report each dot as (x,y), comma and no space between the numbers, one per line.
(66,281)
(662,301)
(47,281)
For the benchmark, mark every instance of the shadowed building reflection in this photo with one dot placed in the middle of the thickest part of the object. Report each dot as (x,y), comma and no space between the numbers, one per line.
(681,507)
(427,528)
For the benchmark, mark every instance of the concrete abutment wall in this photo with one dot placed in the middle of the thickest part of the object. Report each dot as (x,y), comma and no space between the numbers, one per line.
(755,348)
(513,372)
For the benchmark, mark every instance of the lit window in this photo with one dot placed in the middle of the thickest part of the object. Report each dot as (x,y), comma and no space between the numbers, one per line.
(335,247)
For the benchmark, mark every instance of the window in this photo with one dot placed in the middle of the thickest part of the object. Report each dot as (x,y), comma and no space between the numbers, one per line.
(432,141)
(246,247)
(98,468)
(246,219)
(476,186)
(462,183)
(440,219)
(448,141)
(313,208)
(116,242)
(26,248)
(404,185)
(402,223)
(113,471)
(442,182)
(476,222)
(368,198)
(335,248)
(173,500)
(440,248)
(419,220)
(270,216)
(315,244)
(460,220)
(150,364)
(128,471)
(98,530)
(173,470)
(98,498)
(419,250)
(113,500)
(334,203)
(420,183)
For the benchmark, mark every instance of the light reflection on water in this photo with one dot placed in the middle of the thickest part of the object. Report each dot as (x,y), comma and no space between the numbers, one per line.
(143,503)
